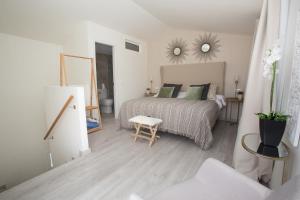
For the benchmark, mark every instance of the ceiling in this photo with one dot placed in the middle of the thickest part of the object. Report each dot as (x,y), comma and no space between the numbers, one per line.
(231,16)
(48,20)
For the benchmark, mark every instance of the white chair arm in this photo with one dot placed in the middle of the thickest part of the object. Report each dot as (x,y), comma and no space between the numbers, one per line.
(224,178)
(134,197)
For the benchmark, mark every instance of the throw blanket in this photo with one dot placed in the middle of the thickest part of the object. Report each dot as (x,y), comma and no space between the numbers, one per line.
(193,119)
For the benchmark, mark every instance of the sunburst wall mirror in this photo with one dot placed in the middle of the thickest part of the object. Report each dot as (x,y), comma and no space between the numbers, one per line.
(177,50)
(206,46)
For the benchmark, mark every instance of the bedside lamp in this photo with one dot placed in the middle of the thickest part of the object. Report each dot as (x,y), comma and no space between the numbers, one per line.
(151,84)
(236,82)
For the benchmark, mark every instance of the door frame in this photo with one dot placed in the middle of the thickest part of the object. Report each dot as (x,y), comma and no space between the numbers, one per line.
(114,72)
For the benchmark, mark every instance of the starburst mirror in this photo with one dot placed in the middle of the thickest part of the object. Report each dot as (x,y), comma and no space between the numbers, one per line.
(177,51)
(206,46)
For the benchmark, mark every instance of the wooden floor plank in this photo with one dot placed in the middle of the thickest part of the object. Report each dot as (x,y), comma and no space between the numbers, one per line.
(118,167)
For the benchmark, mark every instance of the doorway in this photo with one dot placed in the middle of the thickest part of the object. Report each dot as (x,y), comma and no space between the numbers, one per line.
(105,79)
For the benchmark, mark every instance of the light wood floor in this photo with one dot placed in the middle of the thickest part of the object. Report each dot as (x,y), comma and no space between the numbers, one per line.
(118,167)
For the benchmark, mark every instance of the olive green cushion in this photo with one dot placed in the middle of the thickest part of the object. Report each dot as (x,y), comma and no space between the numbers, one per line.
(194,93)
(165,92)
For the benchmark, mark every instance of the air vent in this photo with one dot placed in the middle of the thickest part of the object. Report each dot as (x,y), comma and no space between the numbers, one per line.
(131,46)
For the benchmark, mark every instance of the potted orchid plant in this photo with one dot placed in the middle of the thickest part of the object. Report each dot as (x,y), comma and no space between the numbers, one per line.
(272,124)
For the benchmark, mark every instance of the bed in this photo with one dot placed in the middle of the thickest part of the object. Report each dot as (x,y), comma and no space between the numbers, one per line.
(194,119)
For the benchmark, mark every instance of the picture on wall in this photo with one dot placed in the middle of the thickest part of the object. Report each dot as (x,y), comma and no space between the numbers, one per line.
(206,47)
(177,50)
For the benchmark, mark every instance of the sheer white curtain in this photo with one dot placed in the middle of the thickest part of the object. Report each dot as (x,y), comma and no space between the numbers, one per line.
(289,77)
(257,90)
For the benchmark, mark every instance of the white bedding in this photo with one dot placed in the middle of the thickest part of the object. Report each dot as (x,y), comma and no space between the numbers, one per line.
(220,99)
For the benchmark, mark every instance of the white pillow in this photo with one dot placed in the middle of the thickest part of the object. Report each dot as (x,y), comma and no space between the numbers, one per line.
(220,100)
(212,92)
(181,95)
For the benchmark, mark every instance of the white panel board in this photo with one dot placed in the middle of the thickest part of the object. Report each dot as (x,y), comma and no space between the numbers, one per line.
(70,133)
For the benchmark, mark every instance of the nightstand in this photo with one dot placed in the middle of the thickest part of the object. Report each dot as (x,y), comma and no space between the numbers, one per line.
(230,102)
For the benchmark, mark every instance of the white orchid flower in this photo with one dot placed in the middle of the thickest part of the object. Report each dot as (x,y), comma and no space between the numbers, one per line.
(270,67)
(271,57)
(269,60)
(268,52)
(276,53)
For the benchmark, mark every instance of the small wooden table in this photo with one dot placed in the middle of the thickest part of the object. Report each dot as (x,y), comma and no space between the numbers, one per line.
(278,155)
(230,101)
(143,123)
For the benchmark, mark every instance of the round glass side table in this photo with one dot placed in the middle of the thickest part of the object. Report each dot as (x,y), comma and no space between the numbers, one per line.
(277,154)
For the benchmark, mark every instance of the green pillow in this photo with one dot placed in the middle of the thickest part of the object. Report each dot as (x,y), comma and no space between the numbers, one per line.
(194,93)
(165,92)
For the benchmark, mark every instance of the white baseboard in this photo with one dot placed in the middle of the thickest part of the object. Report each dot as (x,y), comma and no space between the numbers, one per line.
(85,152)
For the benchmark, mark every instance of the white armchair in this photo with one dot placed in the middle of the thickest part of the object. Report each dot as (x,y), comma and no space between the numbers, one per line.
(217,181)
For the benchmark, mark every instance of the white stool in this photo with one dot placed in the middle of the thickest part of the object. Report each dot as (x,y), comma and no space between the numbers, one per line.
(149,123)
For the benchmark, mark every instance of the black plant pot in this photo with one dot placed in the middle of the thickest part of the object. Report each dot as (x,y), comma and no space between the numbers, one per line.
(268,150)
(271,131)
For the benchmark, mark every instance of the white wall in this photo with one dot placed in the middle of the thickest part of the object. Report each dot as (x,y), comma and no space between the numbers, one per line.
(78,70)
(132,71)
(76,40)
(69,138)
(235,51)
(129,67)
(26,67)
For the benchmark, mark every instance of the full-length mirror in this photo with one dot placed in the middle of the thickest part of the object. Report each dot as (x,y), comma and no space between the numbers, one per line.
(77,70)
